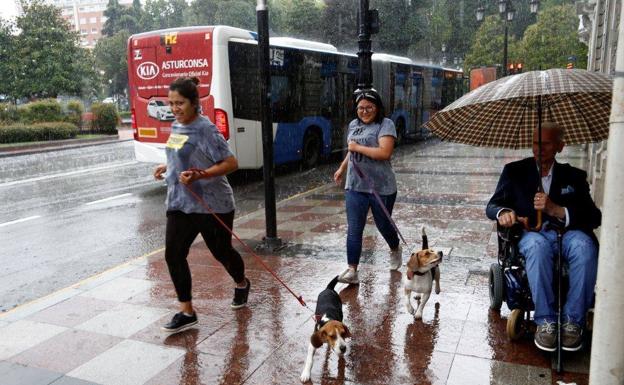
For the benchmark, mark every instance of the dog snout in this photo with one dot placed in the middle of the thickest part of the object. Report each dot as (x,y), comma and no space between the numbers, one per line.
(440,255)
(343,349)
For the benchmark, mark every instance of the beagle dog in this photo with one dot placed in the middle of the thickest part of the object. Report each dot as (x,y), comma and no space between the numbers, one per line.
(328,328)
(422,270)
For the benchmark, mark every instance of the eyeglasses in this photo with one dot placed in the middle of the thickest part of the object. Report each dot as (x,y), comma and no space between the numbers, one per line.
(366,109)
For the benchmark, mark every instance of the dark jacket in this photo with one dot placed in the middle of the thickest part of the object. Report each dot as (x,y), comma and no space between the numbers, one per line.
(569,188)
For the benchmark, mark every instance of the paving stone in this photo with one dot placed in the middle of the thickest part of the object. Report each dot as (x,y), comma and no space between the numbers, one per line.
(127,363)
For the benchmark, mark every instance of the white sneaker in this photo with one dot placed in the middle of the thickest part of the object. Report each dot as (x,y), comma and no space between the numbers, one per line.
(349,276)
(396,258)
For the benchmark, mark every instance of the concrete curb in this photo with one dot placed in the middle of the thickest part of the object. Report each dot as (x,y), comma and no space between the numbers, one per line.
(57,145)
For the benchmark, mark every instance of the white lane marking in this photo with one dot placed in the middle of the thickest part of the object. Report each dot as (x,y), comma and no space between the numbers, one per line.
(69,173)
(108,199)
(20,220)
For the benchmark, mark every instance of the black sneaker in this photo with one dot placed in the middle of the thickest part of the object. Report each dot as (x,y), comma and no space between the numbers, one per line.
(179,322)
(571,337)
(240,296)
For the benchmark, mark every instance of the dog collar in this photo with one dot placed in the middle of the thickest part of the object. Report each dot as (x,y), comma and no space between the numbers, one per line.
(418,273)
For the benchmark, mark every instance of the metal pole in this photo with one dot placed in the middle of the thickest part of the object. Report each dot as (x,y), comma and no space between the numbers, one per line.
(505,51)
(365,73)
(607,353)
(270,240)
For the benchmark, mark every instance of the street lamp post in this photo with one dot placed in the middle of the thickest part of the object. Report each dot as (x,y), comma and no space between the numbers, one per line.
(507,13)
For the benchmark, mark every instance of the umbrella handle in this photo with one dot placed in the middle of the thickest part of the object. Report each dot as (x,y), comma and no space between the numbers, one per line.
(538,225)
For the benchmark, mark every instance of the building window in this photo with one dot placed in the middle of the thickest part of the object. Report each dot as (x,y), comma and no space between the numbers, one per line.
(83,20)
(93,20)
(103,19)
(83,31)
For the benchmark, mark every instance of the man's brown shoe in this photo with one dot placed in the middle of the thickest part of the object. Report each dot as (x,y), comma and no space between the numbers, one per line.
(546,336)
(571,337)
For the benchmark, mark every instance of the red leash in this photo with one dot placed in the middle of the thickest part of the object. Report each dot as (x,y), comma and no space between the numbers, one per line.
(249,249)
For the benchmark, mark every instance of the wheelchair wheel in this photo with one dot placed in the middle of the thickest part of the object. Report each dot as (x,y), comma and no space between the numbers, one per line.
(515,324)
(496,286)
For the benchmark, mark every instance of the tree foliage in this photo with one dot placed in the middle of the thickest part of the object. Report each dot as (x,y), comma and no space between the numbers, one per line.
(553,39)
(46,57)
(111,57)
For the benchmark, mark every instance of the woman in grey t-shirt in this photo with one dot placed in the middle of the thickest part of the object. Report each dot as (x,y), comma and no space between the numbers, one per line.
(371,143)
(198,158)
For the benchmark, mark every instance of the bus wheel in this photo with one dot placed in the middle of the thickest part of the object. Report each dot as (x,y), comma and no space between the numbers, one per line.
(311,149)
(400,130)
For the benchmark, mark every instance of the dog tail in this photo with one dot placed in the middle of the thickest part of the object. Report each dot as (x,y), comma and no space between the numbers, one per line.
(425,242)
(332,284)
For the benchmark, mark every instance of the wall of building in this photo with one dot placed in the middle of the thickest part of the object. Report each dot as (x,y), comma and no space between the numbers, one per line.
(598,28)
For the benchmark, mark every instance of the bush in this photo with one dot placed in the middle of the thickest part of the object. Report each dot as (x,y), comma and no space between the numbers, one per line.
(37,132)
(105,118)
(46,110)
(8,113)
(75,110)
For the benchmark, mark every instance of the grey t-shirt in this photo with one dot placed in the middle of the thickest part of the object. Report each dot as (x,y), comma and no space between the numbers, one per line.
(379,172)
(197,145)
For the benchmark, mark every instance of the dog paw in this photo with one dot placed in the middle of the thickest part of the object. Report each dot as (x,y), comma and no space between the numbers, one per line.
(418,314)
(305,377)
(437,290)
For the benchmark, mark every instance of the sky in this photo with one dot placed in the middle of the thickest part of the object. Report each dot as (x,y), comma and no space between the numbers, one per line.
(7,9)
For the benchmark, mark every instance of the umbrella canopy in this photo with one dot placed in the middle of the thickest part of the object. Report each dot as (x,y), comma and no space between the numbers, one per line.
(505,112)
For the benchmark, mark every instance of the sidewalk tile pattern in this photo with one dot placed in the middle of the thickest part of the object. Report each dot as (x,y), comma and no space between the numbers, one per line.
(106,330)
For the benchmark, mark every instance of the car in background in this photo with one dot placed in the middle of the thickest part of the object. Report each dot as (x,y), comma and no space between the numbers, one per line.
(108,100)
(158,109)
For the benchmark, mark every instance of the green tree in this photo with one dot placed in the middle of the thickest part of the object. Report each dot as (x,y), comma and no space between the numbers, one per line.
(549,42)
(201,12)
(236,13)
(339,24)
(161,14)
(7,51)
(120,17)
(112,60)
(488,46)
(47,58)
(303,19)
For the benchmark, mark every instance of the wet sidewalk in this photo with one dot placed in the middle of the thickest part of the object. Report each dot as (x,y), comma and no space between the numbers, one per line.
(106,330)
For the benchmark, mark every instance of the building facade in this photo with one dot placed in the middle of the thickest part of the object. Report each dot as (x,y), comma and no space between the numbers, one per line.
(85,16)
(598,28)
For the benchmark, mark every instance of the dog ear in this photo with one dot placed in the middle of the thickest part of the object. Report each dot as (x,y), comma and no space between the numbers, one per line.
(316,340)
(347,332)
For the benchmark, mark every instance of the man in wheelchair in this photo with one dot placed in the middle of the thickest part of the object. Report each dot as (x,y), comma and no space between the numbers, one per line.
(566,203)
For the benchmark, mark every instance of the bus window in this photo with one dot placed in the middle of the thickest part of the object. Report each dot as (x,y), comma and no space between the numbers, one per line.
(244,78)
(281,98)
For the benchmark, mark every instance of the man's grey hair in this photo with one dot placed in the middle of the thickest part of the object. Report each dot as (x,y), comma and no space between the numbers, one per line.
(547,125)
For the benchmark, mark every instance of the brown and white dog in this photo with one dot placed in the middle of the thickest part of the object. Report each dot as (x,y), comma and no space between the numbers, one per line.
(328,328)
(422,270)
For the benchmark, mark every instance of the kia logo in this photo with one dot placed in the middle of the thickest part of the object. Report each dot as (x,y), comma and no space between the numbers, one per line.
(147,70)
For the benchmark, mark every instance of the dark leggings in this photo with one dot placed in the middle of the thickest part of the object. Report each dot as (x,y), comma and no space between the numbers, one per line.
(182,229)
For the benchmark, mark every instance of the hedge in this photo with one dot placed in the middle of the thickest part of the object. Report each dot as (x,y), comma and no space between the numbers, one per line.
(37,132)
(8,113)
(75,109)
(105,118)
(46,110)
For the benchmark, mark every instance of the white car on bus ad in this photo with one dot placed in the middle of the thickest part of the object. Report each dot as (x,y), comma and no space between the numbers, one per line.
(160,110)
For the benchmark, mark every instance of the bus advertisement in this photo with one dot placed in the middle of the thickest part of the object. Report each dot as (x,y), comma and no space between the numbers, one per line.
(312,86)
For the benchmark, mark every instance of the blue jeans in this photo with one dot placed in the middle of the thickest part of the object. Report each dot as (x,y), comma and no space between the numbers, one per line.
(580,253)
(358,204)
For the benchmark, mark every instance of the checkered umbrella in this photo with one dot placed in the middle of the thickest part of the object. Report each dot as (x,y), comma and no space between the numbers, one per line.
(505,112)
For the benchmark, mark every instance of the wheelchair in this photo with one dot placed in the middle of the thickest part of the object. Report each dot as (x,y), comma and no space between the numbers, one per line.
(508,282)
